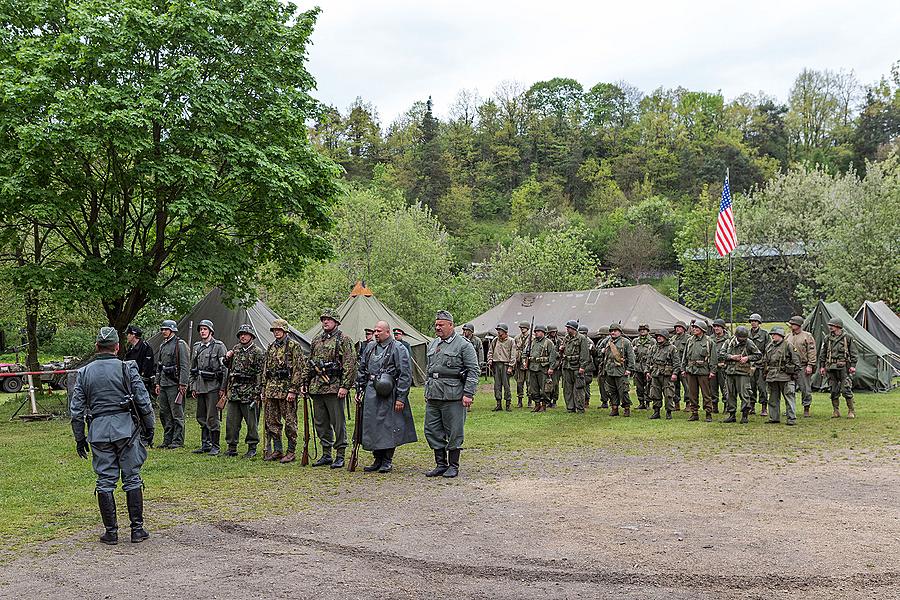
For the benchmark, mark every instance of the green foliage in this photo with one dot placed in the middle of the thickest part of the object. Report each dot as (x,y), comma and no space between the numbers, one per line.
(73,341)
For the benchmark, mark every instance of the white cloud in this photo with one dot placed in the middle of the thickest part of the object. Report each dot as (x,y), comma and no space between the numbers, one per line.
(393,53)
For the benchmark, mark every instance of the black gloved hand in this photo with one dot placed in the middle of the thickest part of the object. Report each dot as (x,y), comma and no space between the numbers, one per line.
(82,447)
(147,439)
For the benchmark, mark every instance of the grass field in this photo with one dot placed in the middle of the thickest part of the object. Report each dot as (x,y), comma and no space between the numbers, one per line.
(47,490)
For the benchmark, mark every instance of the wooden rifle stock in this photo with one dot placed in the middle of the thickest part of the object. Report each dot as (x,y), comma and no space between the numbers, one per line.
(304,457)
(357,432)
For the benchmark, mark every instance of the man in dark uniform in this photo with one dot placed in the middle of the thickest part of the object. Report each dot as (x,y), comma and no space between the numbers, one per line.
(399,334)
(385,372)
(142,354)
(111,398)
(451,379)
(361,345)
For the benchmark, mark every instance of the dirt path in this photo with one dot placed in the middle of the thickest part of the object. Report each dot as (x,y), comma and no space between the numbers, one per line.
(560,527)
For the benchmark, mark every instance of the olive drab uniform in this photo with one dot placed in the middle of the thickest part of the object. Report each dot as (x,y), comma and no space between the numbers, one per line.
(737,373)
(173,371)
(331,366)
(837,355)
(600,368)
(804,344)
(719,382)
(643,345)
(679,342)
(590,371)
(758,388)
(541,359)
(619,358)
(208,376)
(697,362)
(245,376)
(502,358)
(521,341)
(663,363)
(553,395)
(576,354)
(780,365)
(281,377)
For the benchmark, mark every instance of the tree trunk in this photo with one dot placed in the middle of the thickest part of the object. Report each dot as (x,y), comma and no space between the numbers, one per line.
(31,321)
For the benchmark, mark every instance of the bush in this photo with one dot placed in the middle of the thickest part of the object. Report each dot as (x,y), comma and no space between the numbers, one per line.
(72,341)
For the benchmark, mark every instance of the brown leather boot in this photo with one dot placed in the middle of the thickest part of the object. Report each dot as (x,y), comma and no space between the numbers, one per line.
(851,414)
(267,455)
(614,411)
(677,406)
(836,414)
(626,412)
(277,455)
(805,411)
(537,407)
(708,417)
(289,457)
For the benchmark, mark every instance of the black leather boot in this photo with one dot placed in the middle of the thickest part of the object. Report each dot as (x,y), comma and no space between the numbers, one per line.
(338,460)
(387,462)
(325,460)
(251,451)
(655,414)
(376,462)
(730,418)
(107,503)
(214,442)
(440,460)
(136,515)
(453,464)
(744,414)
(204,441)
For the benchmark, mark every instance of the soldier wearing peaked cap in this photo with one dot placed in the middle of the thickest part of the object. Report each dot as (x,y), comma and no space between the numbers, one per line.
(172,378)
(208,378)
(111,399)
(451,380)
(142,354)
(245,362)
(501,360)
(399,334)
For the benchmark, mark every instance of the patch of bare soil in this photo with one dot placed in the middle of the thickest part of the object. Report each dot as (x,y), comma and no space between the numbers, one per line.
(528,526)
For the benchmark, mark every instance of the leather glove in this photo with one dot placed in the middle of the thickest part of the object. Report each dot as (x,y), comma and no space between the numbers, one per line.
(147,439)
(82,447)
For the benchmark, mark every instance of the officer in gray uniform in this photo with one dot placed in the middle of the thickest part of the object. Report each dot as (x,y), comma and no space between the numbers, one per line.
(110,397)
(208,382)
(452,376)
(172,377)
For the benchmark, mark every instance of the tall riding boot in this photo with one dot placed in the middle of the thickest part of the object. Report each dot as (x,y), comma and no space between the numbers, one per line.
(136,515)
(387,463)
(440,460)
(499,406)
(377,458)
(730,418)
(453,464)
(214,442)
(765,410)
(204,441)
(107,503)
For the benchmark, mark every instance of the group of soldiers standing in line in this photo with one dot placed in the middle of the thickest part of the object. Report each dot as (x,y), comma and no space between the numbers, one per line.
(751,367)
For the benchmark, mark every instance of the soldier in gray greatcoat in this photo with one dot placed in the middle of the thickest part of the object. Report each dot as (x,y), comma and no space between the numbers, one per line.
(452,376)
(385,372)
(110,397)
(209,377)
(172,377)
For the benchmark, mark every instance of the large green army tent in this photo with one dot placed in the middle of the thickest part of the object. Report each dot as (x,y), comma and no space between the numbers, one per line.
(361,310)
(595,309)
(878,319)
(227,320)
(873,369)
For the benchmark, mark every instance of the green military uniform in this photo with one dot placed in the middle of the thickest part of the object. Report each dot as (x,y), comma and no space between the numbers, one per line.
(618,366)
(662,364)
(644,346)
(553,336)
(679,340)
(172,377)
(592,368)
(780,364)
(501,361)
(244,386)
(718,382)
(520,373)
(837,355)
(737,373)
(758,387)
(804,344)
(540,358)
(208,377)
(697,362)
(600,368)
(281,384)
(330,368)
(451,374)
(574,360)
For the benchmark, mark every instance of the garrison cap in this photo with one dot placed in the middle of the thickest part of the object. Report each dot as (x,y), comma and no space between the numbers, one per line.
(755,317)
(540,328)
(777,330)
(330,313)
(170,325)
(681,324)
(796,320)
(644,327)
(524,324)
(502,327)
(443,315)
(572,324)
(741,333)
(206,323)
(552,328)
(279,324)
(615,327)
(246,328)
(469,327)
(719,323)
(701,325)
(135,330)
(835,321)
(107,336)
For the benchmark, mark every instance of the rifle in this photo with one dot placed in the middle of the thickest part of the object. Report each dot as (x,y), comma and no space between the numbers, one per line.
(357,429)
(528,344)
(304,457)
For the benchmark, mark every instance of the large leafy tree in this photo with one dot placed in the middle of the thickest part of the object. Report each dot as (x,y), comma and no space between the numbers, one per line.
(158,141)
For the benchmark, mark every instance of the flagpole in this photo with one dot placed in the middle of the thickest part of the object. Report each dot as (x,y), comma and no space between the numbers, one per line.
(731,267)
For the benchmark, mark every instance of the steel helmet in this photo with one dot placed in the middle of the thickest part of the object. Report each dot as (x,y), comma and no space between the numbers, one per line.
(206,323)
(170,325)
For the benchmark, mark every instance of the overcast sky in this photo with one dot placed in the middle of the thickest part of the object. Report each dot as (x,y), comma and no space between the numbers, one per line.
(394,52)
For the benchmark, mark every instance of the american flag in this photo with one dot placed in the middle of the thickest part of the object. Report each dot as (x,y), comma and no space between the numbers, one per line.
(726,238)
